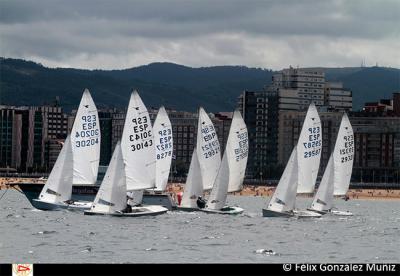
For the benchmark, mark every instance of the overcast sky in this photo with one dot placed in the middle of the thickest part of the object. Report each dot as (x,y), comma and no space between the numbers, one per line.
(114,34)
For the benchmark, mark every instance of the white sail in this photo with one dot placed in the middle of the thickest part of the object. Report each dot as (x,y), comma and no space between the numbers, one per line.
(208,150)
(343,156)
(135,197)
(138,146)
(284,197)
(85,140)
(58,187)
(193,187)
(240,151)
(111,196)
(323,199)
(309,148)
(217,198)
(233,165)
(162,130)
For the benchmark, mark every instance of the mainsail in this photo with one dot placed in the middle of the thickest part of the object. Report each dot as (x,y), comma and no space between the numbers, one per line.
(343,156)
(309,148)
(138,146)
(237,158)
(85,140)
(162,130)
(193,186)
(111,196)
(233,166)
(58,187)
(208,150)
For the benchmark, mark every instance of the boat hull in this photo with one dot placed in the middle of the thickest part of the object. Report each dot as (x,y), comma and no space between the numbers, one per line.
(306,214)
(49,206)
(88,193)
(150,210)
(271,213)
(341,213)
(333,212)
(187,209)
(227,210)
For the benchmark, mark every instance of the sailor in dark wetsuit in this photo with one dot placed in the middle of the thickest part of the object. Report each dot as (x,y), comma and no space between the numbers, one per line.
(69,201)
(127,209)
(201,203)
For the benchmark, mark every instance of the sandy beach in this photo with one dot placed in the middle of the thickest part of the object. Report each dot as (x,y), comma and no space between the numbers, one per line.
(248,190)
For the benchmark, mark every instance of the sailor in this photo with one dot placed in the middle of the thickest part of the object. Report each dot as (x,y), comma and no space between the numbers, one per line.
(201,203)
(69,201)
(128,208)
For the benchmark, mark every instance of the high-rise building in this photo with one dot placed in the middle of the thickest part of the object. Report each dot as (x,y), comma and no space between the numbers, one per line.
(377,147)
(9,147)
(259,111)
(292,90)
(337,97)
(105,119)
(29,131)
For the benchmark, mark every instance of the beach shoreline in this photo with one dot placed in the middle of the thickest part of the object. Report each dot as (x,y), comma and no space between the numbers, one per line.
(248,190)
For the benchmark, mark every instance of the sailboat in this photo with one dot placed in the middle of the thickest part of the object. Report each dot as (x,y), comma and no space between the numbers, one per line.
(137,158)
(78,161)
(111,199)
(232,169)
(193,186)
(163,142)
(204,165)
(336,178)
(301,170)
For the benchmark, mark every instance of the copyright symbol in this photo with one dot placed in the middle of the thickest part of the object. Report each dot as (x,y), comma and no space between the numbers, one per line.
(287,267)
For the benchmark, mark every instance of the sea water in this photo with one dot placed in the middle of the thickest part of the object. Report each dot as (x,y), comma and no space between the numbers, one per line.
(31,236)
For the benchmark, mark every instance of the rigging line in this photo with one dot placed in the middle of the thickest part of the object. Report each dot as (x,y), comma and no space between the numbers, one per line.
(4,194)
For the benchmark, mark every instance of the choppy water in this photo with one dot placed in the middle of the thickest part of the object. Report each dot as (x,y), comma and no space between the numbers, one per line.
(31,236)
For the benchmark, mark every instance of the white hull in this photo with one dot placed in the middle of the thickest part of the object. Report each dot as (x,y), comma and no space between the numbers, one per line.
(340,213)
(306,214)
(333,212)
(47,206)
(149,210)
(227,210)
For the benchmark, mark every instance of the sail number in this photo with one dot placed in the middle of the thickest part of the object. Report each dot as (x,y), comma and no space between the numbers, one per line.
(243,149)
(212,147)
(142,135)
(314,143)
(90,132)
(348,150)
(164,146)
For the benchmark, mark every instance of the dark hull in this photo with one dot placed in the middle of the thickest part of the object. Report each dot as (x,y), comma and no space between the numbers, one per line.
(88,193)
(270,213)
(224,211)
(186,209)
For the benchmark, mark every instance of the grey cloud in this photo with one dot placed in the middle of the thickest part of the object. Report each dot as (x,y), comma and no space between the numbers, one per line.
(250,32)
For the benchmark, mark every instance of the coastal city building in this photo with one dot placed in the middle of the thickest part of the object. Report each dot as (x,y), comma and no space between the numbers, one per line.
(31,137)
(24,132)
(268,115)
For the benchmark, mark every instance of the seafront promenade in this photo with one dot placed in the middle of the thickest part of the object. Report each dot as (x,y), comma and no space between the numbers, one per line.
(248,190)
